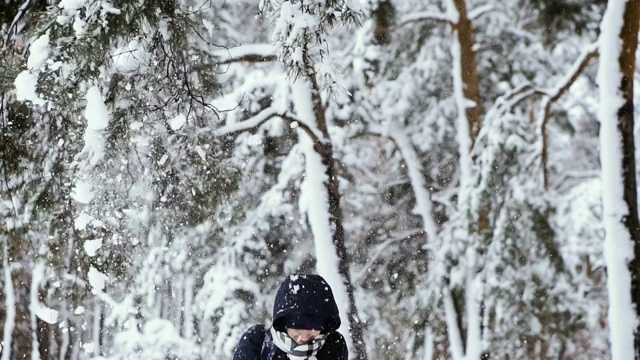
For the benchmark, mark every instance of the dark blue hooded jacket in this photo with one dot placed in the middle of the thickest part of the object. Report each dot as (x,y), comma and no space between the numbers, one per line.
(297,295)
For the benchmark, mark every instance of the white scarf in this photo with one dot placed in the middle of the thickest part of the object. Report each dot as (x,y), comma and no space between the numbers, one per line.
(295,351)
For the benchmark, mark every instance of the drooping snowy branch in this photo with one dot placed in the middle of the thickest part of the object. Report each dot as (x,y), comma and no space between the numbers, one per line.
(424,204)
(249,124)
(266,115)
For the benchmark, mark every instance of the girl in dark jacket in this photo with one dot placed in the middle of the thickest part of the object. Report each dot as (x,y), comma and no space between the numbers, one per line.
(305,324)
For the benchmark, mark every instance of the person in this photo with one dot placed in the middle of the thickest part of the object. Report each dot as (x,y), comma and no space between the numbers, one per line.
(304,326)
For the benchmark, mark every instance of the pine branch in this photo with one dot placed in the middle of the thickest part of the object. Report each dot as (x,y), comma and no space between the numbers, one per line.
(251,53)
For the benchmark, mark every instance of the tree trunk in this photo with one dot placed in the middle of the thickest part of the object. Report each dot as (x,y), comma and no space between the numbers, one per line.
(471,83)
(325,150)
(338,240)
(9,315)
(466,90)
(629,35)
(620,207)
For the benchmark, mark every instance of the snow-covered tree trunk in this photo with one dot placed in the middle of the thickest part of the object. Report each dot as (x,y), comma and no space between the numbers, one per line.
(10,303)
(65,340)
(467,97)
(320,199)
(97,328)
(34,305)
(187,312)
(464,41)
(618,44)
(429,340)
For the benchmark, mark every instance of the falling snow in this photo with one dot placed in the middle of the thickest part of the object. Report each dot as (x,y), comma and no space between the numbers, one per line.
(459,188)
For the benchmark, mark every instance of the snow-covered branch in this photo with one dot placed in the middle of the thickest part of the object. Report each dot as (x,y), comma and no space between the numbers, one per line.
(22,11)
(266,115)
(588,53)
(250,53)
(248,124)
(426,16)
(480,10)
(424,205)
(455,338)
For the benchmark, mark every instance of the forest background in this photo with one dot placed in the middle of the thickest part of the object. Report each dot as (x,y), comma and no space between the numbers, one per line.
(444,164)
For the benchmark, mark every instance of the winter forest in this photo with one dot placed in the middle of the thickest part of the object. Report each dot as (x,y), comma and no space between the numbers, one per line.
(462,172)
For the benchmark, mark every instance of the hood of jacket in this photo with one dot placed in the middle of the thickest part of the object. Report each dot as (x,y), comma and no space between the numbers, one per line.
(305,294)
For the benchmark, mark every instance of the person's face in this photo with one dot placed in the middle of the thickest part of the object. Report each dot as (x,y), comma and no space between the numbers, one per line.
(302,336)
